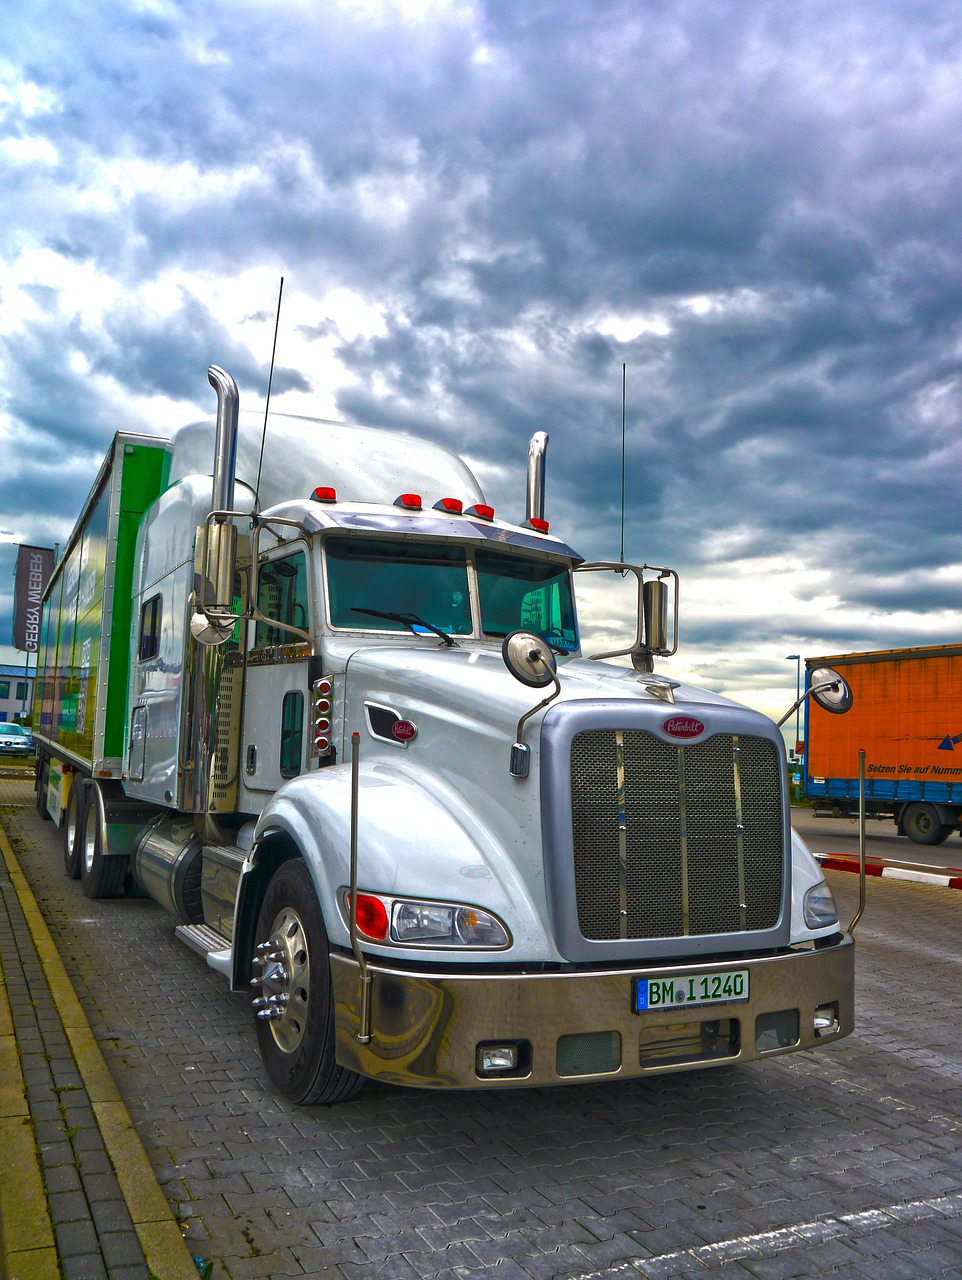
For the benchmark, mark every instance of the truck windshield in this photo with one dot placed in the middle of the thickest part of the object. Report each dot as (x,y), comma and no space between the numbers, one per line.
(429,580)
(533,594)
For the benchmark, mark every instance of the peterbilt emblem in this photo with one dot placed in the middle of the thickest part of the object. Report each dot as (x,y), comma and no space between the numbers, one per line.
(404,730)
(683,726)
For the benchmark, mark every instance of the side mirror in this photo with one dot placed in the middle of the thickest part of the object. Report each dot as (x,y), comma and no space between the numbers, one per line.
(652,636)
(830,691)
(529,659)
(827,690)
(654,606)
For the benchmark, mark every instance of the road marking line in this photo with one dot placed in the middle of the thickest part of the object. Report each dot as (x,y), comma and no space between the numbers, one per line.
(818,1231)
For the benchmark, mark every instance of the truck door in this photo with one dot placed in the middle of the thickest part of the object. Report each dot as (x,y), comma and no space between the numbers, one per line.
(276,693)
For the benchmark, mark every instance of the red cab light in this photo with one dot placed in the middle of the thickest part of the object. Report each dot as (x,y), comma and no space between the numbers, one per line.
(411,501)
(536,523)
(323,494)
(454,506)
(482,511)
(372,918)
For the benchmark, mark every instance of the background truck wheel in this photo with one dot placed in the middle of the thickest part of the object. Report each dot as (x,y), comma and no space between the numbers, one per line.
(922,824)
(73,826)
(101,876)
(297,1039)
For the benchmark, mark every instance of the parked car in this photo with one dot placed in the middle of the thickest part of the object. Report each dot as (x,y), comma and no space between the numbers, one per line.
(15,740)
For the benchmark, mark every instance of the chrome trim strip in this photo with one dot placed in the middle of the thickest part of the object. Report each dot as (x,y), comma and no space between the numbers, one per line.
(739,830)
(683,836)
(622,834)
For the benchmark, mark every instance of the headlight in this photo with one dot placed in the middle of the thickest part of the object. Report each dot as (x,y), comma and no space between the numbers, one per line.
(819,908)
(422,922)
(413,922)
(447,925)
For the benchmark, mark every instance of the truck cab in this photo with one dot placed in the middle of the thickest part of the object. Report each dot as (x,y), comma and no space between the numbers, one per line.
(385,789)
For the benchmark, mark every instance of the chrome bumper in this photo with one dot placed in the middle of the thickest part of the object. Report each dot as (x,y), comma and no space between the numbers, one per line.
(427,1027)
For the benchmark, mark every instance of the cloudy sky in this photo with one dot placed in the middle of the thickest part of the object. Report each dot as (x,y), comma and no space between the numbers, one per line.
(482,210)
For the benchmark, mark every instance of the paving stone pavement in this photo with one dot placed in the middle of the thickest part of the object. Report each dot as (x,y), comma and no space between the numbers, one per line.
(843,1160)
(93,1228)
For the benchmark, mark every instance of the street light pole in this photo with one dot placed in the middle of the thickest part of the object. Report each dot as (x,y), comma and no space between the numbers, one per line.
(797,659)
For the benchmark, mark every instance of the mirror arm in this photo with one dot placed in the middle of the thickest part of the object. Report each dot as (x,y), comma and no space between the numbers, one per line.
(639,648)
(816,688)
(528,714)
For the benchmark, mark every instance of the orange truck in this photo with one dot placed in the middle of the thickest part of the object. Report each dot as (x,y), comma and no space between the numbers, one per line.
(907,716)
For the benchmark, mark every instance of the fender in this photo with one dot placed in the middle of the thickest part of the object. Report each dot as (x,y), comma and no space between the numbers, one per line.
(416,838)
(806,874)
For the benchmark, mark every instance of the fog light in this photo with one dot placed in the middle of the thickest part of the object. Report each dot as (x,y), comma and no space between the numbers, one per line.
(826,1020)
(495,1058)
(776,1030)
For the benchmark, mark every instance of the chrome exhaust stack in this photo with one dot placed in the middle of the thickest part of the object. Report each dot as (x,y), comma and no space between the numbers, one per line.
(534,505)
(225,441)
(213,619)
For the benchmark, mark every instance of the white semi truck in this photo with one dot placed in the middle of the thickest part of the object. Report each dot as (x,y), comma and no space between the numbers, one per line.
(305,689)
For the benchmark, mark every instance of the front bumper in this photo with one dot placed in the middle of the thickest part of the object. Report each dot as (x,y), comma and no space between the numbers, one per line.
(575,1027)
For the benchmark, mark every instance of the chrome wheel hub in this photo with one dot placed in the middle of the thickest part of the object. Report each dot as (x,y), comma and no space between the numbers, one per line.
(282,979)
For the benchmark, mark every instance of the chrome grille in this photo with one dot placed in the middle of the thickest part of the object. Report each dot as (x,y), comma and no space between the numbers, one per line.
(672,840)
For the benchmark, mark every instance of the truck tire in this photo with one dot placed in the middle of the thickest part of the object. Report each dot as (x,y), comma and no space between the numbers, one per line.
(922,824)
(43,777)
(73,826)
(102,876)
(298,1046)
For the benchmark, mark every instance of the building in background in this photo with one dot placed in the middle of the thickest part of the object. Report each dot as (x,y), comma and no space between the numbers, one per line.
(16,692)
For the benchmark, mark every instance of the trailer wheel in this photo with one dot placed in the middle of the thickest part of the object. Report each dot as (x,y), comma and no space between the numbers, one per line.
(102,876)
(922,824)
(295,1022)
(73,826)
(43,777)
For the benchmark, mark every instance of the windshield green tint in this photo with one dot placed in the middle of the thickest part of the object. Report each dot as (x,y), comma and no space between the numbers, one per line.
(533,594)
(426,580)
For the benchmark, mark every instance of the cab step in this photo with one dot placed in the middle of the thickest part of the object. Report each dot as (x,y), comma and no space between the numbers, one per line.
(210,944)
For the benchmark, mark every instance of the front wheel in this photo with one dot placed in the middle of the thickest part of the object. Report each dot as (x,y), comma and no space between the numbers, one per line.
(922,824)
(295,1010)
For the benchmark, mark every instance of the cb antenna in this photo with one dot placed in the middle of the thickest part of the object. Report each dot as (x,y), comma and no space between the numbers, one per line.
(267,403)
(624,397)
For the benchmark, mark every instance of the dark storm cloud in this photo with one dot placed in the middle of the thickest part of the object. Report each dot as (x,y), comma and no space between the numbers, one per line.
(753,206)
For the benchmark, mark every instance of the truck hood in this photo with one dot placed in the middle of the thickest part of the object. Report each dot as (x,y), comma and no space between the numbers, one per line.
(462,707)
(469,689)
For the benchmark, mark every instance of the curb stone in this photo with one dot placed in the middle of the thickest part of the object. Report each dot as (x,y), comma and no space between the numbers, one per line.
(27,1232)
(951,878)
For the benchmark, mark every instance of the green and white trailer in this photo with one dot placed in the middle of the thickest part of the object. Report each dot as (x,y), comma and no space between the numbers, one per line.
(80,708)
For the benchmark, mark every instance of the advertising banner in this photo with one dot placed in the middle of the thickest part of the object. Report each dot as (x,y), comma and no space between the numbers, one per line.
(34,567)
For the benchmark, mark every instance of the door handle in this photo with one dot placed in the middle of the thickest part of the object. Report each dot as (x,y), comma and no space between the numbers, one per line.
(251,765)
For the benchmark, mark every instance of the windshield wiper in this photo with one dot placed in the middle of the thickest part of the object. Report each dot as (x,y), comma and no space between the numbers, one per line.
(410,620)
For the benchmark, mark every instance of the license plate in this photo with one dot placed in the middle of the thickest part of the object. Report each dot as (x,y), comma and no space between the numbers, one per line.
(691,989)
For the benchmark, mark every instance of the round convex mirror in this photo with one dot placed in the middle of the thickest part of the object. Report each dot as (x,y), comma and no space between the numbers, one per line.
(837,698)
(529,658)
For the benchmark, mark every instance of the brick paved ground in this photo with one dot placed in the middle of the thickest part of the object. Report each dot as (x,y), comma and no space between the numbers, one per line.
(93,1228)
(846,1160)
